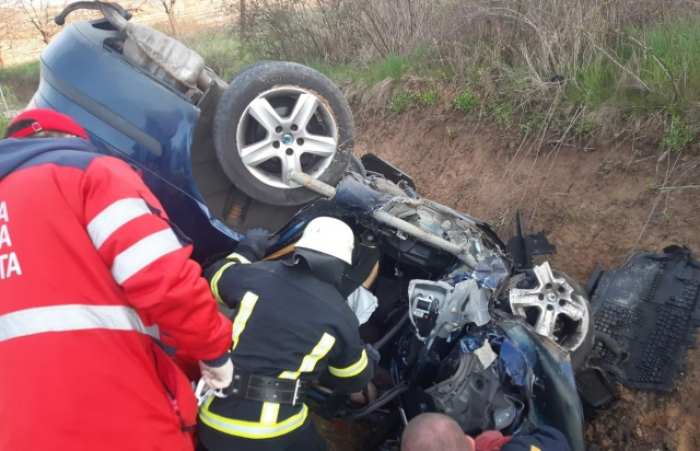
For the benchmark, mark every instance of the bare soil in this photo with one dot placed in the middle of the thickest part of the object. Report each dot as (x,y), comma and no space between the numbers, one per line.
(599,200)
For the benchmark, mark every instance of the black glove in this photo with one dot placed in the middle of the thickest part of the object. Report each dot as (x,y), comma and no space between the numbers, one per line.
(257,241)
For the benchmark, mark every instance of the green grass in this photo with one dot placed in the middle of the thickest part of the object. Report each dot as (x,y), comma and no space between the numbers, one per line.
(672,56)
(465,102)
(399,102)
(19,83)
(336,72)
(393,67)
(403,100)
(21,71)
(677,135)
(221,52)
(3,124)
(665,57)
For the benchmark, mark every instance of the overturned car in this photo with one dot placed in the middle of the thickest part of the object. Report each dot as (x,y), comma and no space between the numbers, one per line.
(460,322)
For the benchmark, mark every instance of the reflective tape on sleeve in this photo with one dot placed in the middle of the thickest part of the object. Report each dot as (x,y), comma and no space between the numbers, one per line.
(114,217)
(65,318)
(310,360)
(353,370)
(143,253)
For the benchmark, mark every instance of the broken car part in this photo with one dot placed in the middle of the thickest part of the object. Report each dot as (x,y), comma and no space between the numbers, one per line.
(437,309)
(556,307)
(522,248)
(649,306)
(160,55)
(418,218)
(473,396)
(598,390)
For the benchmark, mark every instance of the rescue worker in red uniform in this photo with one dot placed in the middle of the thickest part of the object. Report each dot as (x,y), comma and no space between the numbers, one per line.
(91,275)
(291,325)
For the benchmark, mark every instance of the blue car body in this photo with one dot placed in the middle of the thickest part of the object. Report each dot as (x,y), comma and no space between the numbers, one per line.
(134,116)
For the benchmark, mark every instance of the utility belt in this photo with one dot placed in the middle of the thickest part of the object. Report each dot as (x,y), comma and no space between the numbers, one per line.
(266,389)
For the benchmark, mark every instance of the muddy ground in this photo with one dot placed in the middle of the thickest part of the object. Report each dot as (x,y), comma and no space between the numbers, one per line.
(600,200)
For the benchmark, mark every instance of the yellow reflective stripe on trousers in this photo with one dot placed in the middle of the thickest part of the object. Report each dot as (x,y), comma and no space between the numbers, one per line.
(309,363)
(214,284)
(352,370)
(251,429)
(244,312)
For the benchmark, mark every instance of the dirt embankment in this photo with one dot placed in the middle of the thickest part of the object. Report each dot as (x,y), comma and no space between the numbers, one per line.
(599,206)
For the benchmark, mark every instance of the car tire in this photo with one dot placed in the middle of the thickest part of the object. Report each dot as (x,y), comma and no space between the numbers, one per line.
(256,148)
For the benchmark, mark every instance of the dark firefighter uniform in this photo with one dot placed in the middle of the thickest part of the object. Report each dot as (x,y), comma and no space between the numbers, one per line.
(288,325)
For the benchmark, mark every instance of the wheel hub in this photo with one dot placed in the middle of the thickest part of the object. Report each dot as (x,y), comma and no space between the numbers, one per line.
(302,138)
(555,301)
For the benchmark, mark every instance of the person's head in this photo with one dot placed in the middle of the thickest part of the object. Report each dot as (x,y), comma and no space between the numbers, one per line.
(435,432)
(43,123)
(326,247)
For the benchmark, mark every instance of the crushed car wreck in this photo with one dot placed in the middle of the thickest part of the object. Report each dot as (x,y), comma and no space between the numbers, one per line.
(458,321)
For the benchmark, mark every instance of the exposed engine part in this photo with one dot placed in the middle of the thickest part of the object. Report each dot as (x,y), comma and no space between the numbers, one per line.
(554,308)
(473,397)
(438,308)
(162,56)
(421,219)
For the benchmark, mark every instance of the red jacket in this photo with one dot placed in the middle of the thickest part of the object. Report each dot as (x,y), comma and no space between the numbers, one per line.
(91,273)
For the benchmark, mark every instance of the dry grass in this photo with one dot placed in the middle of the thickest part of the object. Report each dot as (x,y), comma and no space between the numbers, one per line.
(629,58)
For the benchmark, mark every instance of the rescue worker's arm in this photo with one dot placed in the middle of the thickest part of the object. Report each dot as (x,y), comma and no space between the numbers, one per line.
(350,366)
(225,275)
(151,261)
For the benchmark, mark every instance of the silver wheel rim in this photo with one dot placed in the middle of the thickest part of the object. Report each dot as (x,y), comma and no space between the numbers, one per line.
(556,300)
(290,144)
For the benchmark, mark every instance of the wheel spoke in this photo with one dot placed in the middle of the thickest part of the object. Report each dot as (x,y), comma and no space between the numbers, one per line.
(304,110)
(289,163)
(572,310)
(263,112)
(544,274)
(258,153)
(545,323)
(323,146)
(520,299)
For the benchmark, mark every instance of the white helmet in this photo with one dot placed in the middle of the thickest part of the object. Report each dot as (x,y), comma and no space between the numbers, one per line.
(328,236)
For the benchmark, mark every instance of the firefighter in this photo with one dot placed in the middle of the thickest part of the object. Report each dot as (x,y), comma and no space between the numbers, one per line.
(92,277)
(291,325)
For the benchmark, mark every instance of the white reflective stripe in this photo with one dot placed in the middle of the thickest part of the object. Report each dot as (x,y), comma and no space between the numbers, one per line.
(309,363)
(64,318)
(143,253)
(113,217)
(270,411)
(244,312)
(249,429)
